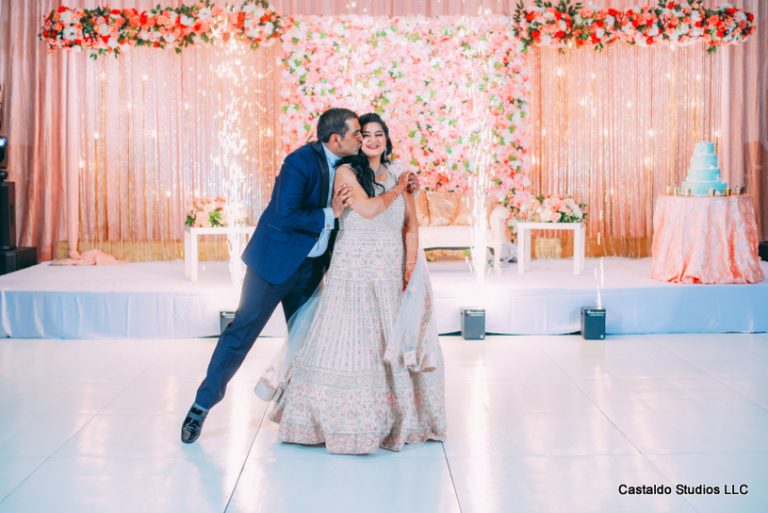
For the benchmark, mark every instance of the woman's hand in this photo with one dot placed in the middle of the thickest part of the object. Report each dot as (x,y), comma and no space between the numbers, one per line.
(413,183)
(402,182)
(408,273)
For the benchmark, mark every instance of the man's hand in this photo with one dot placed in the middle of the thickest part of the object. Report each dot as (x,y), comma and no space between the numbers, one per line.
(341,200)
(413,183)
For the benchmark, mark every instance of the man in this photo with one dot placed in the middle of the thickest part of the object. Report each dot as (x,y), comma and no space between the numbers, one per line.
(287,255)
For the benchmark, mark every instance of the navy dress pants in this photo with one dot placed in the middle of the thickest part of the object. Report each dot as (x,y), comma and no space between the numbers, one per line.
(258,300)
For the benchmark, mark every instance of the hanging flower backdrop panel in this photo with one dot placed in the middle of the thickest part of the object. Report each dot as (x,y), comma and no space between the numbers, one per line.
(440,83)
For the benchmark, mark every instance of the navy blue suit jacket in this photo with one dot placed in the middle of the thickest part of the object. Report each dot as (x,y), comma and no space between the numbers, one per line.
(291,224)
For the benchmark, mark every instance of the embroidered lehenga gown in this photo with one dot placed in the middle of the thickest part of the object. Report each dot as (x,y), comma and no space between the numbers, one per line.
(350,385)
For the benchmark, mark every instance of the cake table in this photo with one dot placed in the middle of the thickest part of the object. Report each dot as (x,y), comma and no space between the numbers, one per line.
(705,240)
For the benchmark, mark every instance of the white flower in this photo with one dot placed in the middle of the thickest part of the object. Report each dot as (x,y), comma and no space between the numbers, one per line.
(67,17)
(187,21)
(169,38)
(683,29)
(254,9)
(205,14)
(269,28)
(600,33)
(112,43)
(654,31)
(562,25)
(610,20)
(70,33)
(575,209)
(697,32)
(740,16)
(144,35)
(104,29)
(695,16)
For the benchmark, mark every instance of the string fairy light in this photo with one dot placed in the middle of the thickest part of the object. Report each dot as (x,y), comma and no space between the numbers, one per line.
(635,137)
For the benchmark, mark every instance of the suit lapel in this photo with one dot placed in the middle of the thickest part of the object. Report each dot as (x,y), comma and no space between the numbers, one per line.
(324,172)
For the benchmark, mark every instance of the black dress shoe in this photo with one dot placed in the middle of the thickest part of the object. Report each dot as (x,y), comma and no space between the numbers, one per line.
(193,425)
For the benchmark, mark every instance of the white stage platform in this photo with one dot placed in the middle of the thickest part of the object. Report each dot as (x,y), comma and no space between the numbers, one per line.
(154,300)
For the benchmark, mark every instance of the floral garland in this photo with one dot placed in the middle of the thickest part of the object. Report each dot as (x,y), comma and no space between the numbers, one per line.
(105,31)
(674,22)
(422,75)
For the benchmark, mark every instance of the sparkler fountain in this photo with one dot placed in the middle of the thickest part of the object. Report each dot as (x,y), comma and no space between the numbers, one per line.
(481,139)
(231,71)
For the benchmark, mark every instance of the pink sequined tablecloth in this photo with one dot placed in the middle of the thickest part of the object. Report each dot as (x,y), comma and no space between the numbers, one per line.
(705,240)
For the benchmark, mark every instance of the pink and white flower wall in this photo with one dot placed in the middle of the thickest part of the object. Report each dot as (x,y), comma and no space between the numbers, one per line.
(425,76)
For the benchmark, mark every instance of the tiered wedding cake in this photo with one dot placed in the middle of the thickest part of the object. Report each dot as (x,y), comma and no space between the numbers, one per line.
(704,173)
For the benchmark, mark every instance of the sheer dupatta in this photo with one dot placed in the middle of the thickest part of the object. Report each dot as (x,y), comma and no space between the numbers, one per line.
(413,341)
(272,382)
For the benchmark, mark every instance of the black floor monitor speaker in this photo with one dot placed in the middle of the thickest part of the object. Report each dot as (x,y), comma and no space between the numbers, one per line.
(762,248)
(16,259)
(593,323)
(225,319)
(7,216)
(473,323)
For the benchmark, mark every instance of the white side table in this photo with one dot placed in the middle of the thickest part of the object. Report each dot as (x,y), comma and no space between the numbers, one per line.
(191,247)
(524,243)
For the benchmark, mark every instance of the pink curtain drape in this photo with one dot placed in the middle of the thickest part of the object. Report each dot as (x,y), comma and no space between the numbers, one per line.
(36,117)
(42,114)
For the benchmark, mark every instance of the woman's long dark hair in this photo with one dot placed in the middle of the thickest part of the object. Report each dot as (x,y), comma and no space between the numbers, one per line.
(359,163)
(363,171)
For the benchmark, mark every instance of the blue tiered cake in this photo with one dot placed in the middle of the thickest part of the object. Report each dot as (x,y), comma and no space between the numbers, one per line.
(704,173)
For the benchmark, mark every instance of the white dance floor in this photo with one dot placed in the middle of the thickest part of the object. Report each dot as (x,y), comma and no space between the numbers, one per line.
(154,300)
(536,424)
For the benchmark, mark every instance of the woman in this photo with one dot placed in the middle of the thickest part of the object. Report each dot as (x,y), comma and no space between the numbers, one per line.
(368,372)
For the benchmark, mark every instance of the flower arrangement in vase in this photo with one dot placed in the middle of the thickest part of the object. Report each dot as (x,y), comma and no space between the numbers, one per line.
(207,213)
(554,208)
